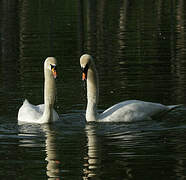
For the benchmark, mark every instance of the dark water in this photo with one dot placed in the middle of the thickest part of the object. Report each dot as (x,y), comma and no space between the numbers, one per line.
(140,51)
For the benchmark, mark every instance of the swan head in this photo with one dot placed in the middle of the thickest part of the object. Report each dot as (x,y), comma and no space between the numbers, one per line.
(51,64)
(85,62)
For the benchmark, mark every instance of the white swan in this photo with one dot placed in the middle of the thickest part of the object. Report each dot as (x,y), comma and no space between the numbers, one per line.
(43,113)
(126,111)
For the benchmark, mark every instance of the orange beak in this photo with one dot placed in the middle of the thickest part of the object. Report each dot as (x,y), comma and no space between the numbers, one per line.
(54,73)
(83,76)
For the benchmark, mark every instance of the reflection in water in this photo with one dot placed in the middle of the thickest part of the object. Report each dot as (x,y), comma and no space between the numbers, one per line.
(53,166)
(140,54)
(124,151)
(122,28)
(93,161)
(179,52)
(97,153)
(99,150)
(9,53)
(29,138)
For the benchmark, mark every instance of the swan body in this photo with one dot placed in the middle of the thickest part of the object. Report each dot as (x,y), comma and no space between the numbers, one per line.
(133,110)
(43,113)
(126,111)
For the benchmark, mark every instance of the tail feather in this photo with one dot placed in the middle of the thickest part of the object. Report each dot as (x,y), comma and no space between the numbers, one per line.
(171,107)
(26,101)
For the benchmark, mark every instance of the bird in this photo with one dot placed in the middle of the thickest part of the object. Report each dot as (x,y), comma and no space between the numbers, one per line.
(43,113)
(125,111)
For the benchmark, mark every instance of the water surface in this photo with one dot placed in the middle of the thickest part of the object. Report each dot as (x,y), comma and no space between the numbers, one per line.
(139,50)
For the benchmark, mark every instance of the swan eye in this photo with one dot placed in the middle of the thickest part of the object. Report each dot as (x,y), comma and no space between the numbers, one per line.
(84,72)
(53,69)
(85,69)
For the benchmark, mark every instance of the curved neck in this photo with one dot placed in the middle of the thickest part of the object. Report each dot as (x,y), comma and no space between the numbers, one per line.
(49,96)
(92,94)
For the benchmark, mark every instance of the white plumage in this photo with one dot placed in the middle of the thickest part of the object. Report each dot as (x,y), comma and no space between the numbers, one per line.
(43,113)
(126,111)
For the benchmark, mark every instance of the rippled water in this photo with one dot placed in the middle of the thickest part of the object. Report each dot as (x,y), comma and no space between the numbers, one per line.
(139,49)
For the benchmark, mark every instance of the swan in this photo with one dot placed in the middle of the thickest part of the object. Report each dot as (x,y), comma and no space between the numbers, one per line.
(126,111)
(43,113)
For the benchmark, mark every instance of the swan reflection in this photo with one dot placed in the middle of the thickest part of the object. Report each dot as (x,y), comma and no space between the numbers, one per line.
(52,158)
(92,160)
(96,142)
(45,138)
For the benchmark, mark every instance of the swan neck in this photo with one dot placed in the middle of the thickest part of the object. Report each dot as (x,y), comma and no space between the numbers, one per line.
(49,89)
(49,96)
(48,114)
(92,94)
